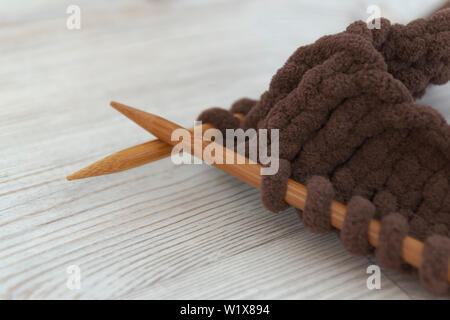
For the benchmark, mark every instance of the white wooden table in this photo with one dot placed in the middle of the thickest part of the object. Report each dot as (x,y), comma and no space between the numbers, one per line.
(158,231)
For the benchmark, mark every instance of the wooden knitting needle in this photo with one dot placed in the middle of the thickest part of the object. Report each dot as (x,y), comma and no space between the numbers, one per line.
(132,157)
(125,159)
(249,172)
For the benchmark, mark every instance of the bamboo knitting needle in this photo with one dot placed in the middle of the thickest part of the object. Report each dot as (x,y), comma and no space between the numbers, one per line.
(249,172)
(125,159)
(131,157)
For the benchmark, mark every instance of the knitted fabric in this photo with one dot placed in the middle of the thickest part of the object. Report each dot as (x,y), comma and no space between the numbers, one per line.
(349,128)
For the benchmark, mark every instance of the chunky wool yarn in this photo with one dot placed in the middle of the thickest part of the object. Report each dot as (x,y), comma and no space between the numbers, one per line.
(350,130)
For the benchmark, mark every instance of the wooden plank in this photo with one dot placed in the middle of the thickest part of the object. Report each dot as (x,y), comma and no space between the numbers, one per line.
(159,231)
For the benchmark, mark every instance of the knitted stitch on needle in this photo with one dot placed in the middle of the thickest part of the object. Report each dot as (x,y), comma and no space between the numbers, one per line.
(350,130)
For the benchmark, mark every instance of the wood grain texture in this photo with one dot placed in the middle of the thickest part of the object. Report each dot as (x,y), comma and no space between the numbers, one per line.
(158,231)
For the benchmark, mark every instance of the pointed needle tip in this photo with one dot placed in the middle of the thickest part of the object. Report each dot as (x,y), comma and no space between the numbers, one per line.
(130,112)
(113,104)
(80,174)
(118,106)
(127,111)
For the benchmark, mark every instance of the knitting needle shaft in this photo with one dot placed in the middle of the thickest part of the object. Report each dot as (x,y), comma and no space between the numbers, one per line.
(125,159)
(131,157)
(249,172)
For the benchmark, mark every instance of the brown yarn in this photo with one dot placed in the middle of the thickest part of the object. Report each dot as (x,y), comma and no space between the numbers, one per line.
(346,112)
(356,224)
(275,186)
(433,272)
(394,228)
(316,216)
